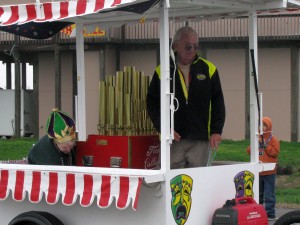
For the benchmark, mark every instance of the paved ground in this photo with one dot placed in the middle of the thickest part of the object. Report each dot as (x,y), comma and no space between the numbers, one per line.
(280,212)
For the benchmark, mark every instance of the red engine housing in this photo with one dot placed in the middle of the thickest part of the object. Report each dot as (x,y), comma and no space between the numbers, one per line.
(240,211)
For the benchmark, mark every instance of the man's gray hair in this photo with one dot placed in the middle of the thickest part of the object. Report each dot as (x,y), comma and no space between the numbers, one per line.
(183,30)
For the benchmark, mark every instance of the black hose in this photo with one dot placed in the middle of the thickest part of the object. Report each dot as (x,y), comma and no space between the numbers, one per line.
(256,90)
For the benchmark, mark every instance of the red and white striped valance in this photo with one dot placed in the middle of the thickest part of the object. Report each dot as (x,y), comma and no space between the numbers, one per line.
(52,11)
(70,186)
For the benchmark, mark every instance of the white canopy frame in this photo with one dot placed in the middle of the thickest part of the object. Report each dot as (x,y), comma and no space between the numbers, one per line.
(197,9)
(87,13)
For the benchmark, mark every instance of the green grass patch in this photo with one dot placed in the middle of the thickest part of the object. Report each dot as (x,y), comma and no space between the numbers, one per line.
(289,155)
(288,189)
(233,151)
(287,186)
(15,148)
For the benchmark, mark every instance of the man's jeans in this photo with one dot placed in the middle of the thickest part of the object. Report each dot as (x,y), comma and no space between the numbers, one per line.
(267,193)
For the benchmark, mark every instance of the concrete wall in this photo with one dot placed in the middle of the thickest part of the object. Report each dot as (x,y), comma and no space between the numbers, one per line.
(142,60)
(231,67)
(275,83)
(92,73)
(274,76)
(47,86)
(273,71)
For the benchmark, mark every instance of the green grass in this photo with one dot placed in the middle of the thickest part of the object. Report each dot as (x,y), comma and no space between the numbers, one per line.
(288,190)
(233,151)
(15,148)
(236,151)
(287,186)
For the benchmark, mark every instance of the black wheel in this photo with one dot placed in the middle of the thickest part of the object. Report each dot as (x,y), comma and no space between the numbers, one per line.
(289,218)
(35,218)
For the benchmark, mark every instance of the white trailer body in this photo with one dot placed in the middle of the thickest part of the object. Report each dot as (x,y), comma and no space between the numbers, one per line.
(89,195)
(211,187)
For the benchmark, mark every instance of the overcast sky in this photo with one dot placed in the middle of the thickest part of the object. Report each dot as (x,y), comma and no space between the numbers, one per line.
(29,74)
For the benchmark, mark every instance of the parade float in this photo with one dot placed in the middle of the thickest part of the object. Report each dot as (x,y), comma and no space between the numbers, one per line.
(115,194)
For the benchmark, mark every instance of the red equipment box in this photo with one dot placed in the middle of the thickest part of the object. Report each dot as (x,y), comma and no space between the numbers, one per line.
(138,152)
(240,211)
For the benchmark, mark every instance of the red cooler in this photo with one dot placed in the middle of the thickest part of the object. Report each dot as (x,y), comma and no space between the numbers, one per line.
(138,152)
(240,211)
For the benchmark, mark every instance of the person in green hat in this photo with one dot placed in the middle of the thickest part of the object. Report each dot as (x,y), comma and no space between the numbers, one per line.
(58,146)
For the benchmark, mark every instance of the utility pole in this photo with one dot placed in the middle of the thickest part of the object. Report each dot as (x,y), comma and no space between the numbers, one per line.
(8,75)
(16,55)
(57,72)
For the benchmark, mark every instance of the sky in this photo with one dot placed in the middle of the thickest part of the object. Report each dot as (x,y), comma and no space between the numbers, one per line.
(29,74)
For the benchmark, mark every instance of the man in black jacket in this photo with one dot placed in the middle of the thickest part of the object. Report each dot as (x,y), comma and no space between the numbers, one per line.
(200,117)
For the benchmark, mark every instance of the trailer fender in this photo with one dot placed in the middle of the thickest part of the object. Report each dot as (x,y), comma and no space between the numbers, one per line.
(35,218)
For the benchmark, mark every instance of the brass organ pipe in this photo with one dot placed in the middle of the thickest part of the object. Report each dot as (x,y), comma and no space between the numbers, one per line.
(124,99)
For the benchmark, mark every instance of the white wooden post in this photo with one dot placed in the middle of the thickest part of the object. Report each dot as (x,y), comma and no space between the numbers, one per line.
(253,101)
(81,110)
(165,87)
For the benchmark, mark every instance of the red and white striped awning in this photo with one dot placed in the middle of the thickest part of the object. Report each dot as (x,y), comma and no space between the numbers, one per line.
(53,11)
(70,186)
(68,9)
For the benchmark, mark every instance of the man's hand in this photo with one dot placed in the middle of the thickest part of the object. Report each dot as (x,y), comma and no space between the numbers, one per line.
(177,136)
(215,140)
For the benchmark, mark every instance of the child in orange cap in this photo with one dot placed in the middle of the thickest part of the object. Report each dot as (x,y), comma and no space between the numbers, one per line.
(269,148)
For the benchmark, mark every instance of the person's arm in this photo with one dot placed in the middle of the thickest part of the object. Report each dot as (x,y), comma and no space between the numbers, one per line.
(217,111)
(153,101)
(31,155)
(248,149)
(273,148)
(217,105)
(44,153)
(30,159)
(214,141)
